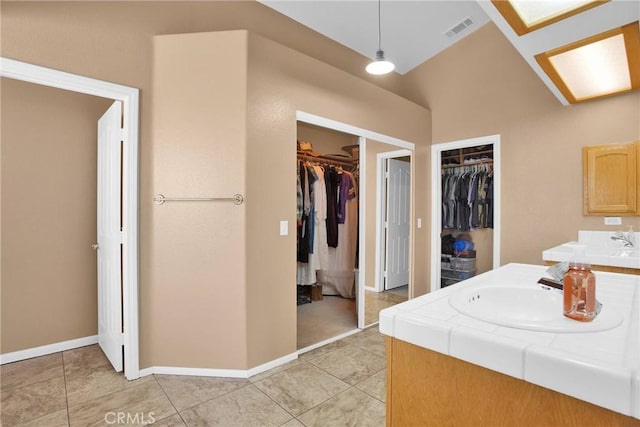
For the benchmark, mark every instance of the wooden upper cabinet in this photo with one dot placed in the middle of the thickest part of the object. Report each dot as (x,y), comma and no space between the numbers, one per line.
(611,179)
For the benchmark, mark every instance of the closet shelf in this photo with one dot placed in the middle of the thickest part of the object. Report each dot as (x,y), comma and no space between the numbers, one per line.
(327,158)
(480,162)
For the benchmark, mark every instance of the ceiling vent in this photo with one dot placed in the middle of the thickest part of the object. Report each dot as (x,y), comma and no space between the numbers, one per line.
(459,27)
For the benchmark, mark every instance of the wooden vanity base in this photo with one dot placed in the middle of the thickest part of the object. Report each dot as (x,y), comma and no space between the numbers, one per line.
(426,388)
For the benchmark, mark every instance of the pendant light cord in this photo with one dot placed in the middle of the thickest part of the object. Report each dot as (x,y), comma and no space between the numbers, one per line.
(379,28)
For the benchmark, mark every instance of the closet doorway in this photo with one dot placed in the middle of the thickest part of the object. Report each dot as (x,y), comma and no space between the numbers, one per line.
(327,229)
(471,160)
(128,98)
(349,152)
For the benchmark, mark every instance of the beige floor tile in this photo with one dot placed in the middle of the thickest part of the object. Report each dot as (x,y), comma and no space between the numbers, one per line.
(187,391)
(351,364)
(293,423)
(54,419)
(140,403)
(23,404)
(301,387)
(376,301)
(373,343)
(85,383)
(350,408)
(266,374)
(312,325)
(371,330)
(172,421)
(352,338)
(320,351)
(375,386)
(84,358)
(25,372)
(247,406)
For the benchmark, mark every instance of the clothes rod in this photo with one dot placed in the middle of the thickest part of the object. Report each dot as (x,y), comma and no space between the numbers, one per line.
(237,199)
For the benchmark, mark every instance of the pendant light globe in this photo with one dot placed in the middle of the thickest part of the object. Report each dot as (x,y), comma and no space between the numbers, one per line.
(380,65)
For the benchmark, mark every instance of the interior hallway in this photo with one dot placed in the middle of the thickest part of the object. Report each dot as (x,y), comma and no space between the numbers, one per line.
(342,383)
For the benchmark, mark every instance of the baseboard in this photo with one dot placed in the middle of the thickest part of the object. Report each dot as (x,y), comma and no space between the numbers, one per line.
(43,350)
(226,373)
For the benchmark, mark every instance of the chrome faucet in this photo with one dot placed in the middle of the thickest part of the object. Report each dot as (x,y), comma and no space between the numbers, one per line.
(627,240)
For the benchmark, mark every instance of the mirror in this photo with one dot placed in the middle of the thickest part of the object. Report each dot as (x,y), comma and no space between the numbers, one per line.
(387,235)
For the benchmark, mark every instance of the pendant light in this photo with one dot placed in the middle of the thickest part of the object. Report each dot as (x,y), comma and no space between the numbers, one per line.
(380,65)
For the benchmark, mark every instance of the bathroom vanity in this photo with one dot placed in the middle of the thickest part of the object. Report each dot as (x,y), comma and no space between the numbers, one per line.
(493,350)
(602,252)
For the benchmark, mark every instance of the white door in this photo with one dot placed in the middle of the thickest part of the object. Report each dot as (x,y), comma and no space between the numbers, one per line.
(109,235)
(397,224)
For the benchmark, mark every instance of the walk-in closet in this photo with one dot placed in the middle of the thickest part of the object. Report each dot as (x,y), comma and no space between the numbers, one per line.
(327,233)
(467,213)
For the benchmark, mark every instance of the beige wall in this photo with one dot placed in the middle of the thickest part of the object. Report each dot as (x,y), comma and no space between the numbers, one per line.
(482,86)
(49,277)
(113,41)
(282,81)
(195,292)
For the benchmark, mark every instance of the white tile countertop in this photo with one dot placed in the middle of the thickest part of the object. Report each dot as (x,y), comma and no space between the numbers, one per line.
(600,250)
(599,367)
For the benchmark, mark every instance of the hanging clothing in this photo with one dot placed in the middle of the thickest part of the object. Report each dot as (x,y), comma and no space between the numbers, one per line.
(319,250)
(338,277)
(467,197)
(332,186)
(328,230)
(303,225)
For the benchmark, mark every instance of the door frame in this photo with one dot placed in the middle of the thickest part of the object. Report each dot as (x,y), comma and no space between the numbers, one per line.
(436,199)
(313,119)
(129,97)
(381,192)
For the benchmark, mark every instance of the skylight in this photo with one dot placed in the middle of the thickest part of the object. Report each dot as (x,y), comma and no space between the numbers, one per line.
(599,66)
(527,15)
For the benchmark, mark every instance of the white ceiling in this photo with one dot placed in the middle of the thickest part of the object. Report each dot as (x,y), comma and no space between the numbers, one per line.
(414,31)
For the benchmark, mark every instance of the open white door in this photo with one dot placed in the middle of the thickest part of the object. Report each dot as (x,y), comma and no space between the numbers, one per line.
(109,235)
(397,224)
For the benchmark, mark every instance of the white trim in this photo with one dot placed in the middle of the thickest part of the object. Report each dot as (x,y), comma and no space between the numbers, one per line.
(362,232)
(436,199)
(354,130)
(43,350)
(381,190)
(130,176)
(225,373)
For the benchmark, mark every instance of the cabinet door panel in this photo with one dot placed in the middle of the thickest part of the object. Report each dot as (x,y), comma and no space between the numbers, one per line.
(610,179)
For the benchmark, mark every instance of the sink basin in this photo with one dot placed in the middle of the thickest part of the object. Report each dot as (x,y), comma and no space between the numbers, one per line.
(531,307)
(627,252)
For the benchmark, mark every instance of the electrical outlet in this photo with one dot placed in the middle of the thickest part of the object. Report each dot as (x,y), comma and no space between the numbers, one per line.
(419,222)
(612,220)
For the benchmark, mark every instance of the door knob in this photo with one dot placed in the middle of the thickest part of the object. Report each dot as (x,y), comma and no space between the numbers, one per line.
(95,246)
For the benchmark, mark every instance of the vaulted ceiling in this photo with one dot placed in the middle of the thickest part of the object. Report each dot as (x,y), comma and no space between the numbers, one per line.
(414,31)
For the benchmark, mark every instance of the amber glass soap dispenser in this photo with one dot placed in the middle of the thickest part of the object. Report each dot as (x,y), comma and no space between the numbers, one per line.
(579,285)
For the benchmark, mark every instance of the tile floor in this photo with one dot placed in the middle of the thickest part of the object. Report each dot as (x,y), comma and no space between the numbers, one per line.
(376,301)
(340,384)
